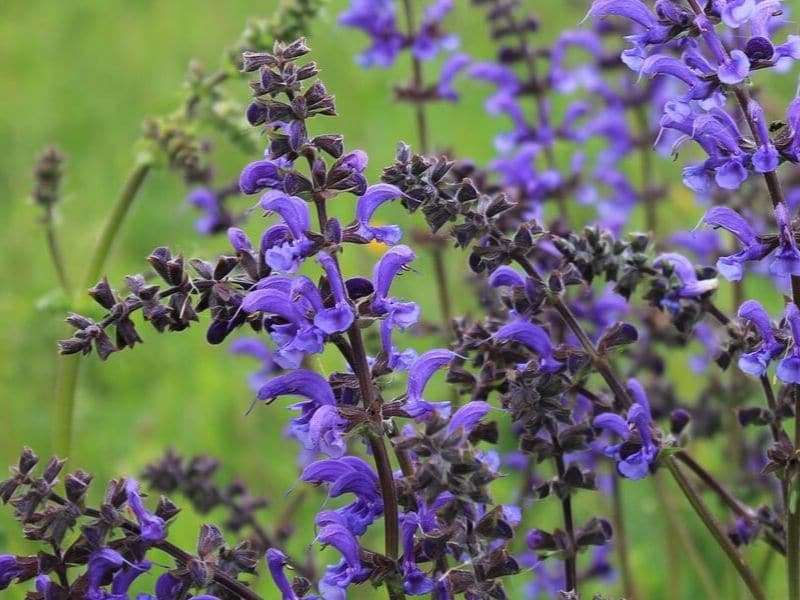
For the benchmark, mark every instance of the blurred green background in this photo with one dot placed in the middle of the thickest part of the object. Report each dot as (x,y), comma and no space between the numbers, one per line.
(84,74)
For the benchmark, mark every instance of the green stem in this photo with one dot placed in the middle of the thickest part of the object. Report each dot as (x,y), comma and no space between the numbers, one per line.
(114,223)
(621,540)
(678,528)
(68,367)
(708,519)
(57,257)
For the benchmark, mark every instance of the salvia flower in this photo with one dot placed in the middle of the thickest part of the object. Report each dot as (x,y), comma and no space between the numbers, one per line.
(152,526)
(637,452)
(731,267)
(415,582)
(288,245)
(535,339)
(319,427)
(276,561)
(788,369)
(399,314)
(419,374)
(349,474)
(366,206)
(756,362)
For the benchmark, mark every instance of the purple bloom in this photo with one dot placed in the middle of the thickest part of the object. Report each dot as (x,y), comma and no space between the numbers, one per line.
(468,416)
(633,456)
(690,287)
(349,474)
(340,316)
(766,158)
(415,582)
(535,339)
(9,570)
(319,427)
(731,267)
(398,314)
(276,561)
(260,175)
(397,361)
(377,19)
(367,204)
(215,218)
(101,564)
(736,13)
(787,256)
(788,369)
(450,69)
(418,376)
(287,252)
(506,276)
(151,526)
(755,363)
(430,38)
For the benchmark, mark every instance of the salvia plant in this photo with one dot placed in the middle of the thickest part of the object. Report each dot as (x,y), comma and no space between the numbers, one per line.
(558,329)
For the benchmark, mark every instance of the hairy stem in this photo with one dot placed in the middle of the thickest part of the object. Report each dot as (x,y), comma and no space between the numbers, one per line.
(708,519)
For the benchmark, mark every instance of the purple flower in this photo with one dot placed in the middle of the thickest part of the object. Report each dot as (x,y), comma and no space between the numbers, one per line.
(9,570)
(731,267)
(340,316)
(260,175)
(633,456)
(766,158)
(276,561)
(377,19)
(398,314)
(788,369)
(349,474)
(736,13)
(101,564)
(468,416)
(397,361)
(418,376)
(787,256)
(215,218)
(755,363)
(450,69)
(430,38)
(319,427)
(366,206)
(690,287)
(535,339)
(285,253)
(151,526)
(415,582)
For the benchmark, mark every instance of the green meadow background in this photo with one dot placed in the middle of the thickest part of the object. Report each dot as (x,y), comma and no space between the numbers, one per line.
(84,74)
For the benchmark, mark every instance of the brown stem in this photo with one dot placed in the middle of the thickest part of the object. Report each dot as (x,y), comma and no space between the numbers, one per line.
(570,559)
(383,465)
